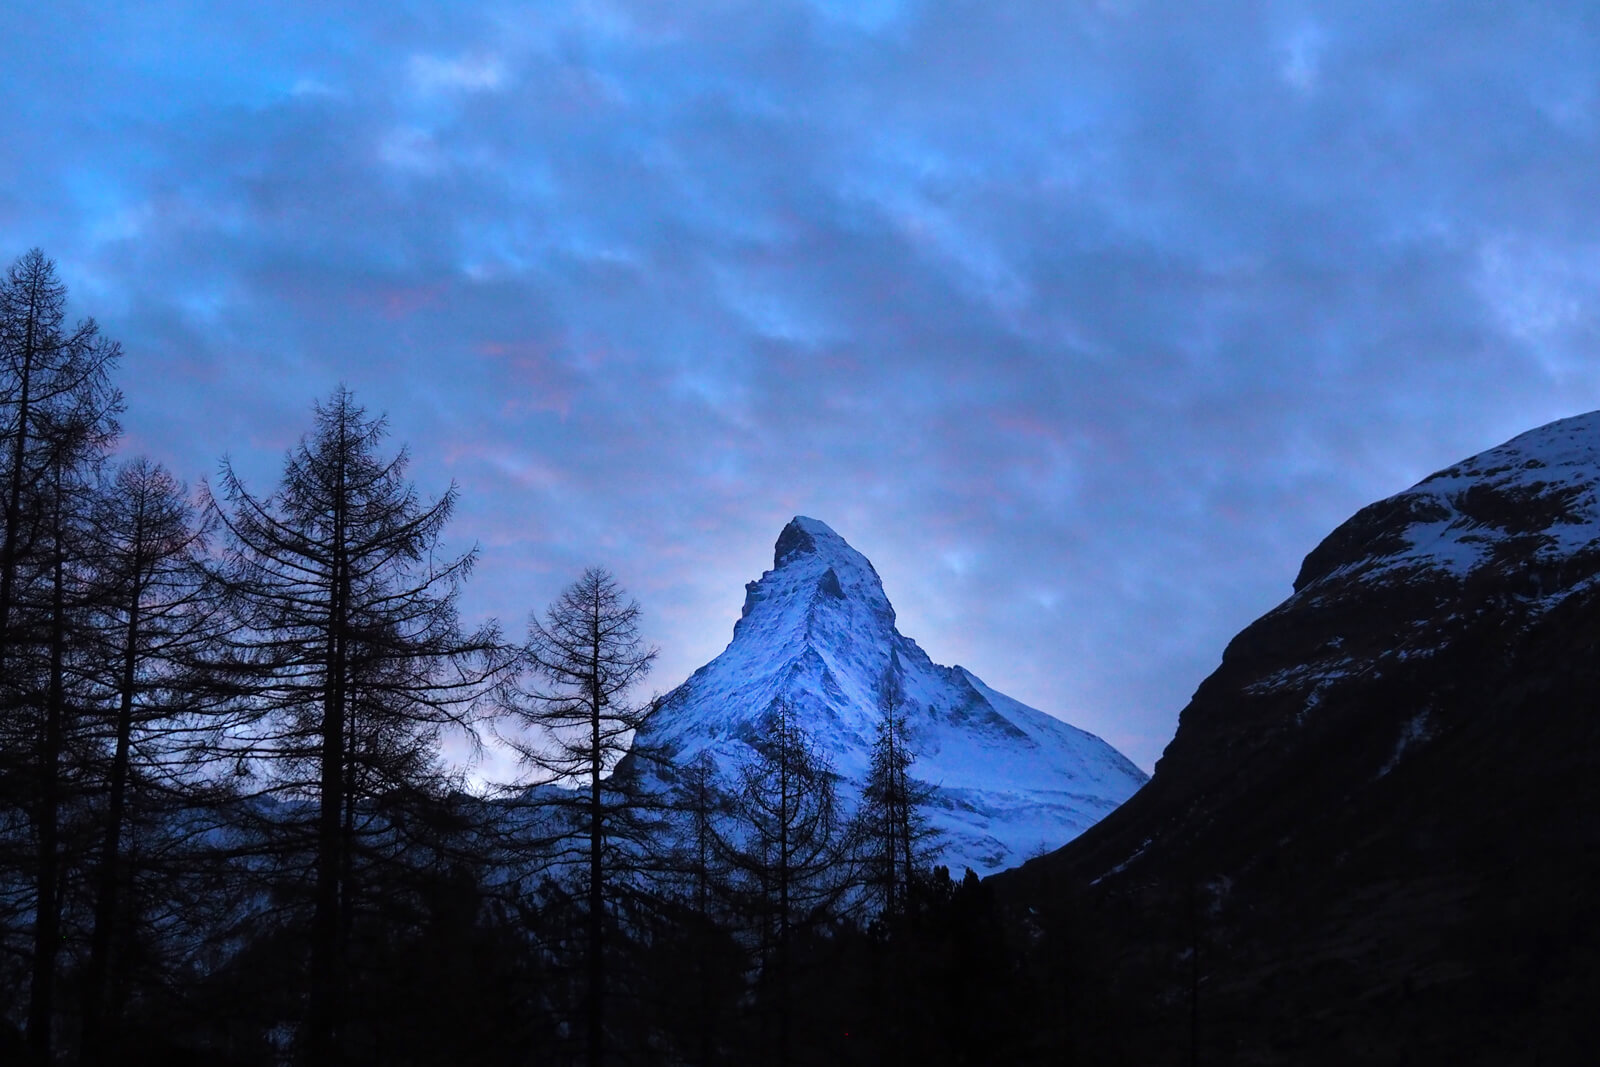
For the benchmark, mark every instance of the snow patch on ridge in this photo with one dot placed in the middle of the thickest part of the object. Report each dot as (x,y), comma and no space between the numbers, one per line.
(1538,489)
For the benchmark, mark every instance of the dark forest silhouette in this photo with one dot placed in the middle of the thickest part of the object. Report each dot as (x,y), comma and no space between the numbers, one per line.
(228,835)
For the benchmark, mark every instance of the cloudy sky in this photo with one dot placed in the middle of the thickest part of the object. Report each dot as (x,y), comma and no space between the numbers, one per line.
(1085,321)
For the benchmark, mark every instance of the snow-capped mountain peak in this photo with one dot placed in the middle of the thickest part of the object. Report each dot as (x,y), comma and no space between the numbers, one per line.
(815,573)
(818,631)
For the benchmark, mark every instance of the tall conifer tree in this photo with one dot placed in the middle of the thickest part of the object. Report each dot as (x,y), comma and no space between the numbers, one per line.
(587,655)
(156,620)
(58,418)
(789,851)
(356,657)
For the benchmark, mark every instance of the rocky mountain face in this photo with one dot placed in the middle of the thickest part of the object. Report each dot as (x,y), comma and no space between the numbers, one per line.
(1375,836)
(817,630)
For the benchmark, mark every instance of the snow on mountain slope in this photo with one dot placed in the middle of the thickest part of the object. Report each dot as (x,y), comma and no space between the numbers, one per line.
(1519,522)
(818,630)
(1531,500)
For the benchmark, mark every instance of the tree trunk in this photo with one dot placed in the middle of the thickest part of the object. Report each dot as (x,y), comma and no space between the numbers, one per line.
(347,848)
(903,798)
(783,902)
(325,1009)
(47,914)
(702,894)
(105,907)
(596,890)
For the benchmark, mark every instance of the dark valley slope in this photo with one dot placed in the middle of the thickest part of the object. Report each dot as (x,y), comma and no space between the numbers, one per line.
(1375,837)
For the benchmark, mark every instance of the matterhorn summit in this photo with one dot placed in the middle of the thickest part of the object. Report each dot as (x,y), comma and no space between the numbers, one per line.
(818,631)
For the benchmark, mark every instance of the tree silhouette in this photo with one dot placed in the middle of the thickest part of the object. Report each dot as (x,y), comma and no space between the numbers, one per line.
(789,852)
(586,656)
(702,807)
(890,824)
(355,658)
(157,617)
(57,419)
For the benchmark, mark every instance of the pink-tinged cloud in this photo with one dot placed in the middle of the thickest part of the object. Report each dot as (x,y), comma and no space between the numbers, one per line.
(401,302)
(543,380)
(1030,426)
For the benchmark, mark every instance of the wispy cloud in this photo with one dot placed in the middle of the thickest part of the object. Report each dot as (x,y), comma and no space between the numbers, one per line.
(469,73)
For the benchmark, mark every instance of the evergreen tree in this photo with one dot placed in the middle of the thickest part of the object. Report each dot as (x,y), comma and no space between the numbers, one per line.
(891,824)
(58,415)
(356,660)
(586,656)
(789,853)
(156,619)
(701,804)
(57,420)
(893,836)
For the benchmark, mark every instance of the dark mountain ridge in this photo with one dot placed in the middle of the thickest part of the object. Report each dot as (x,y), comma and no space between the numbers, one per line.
(1376,828)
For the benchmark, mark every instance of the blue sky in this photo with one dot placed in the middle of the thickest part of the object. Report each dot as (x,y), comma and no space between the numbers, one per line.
(1084,321)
